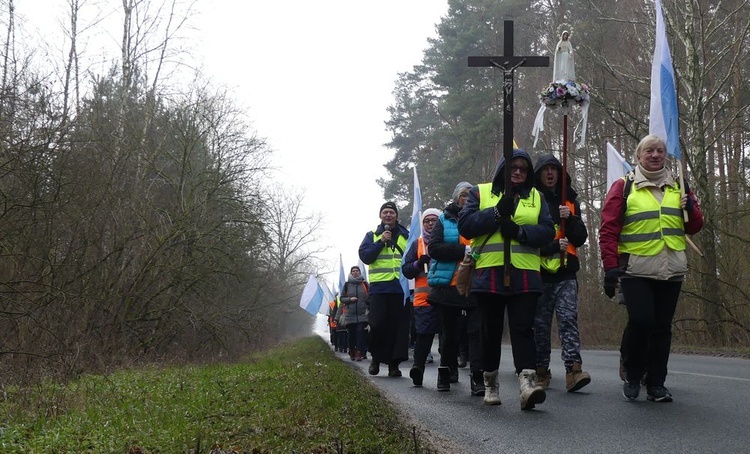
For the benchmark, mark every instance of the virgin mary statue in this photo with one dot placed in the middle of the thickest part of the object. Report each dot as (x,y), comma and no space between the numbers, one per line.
(565,67)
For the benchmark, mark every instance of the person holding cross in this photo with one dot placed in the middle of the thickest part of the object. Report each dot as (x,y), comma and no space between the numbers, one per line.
(519,215)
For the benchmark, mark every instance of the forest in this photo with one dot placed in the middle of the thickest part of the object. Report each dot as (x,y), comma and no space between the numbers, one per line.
(446,119)
(131,227)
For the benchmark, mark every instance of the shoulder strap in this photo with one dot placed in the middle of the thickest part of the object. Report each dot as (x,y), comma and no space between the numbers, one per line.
(629,177)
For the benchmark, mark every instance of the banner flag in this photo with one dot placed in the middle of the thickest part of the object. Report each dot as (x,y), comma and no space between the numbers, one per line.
(616,165)
(415,229)
(663,113)
(312,296)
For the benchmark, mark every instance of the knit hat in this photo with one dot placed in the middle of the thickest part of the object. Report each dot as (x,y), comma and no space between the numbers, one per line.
(355,267)
(460,187)
(390,205)
(430,212)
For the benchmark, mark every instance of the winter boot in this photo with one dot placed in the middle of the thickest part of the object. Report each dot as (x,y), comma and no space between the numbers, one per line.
(374,368)
(575,378)
(491,389)
(454,375)
(417,374)
(477,383)
(444,378)
(393,370)
(543,377)
(352,354)
(530,393)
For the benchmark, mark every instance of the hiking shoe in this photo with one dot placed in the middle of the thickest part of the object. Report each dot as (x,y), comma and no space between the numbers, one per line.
(658,394)
(444,380)
(416,374)
(374,368)
(630,390)
(543,377)
(394,371)
(477,383)
(575,378)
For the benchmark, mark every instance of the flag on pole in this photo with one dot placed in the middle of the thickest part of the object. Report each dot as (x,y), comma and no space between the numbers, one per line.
(663,114)
(312,296)
(342,276)
(415,228)
(327,298)
(363,268)
(616,165)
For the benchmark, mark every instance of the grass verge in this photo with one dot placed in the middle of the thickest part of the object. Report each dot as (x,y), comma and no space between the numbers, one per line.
(297,398)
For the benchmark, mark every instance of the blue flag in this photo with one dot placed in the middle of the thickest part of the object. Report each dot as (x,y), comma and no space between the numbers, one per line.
(312,296)
(663,114)
(616,165)
(415,229)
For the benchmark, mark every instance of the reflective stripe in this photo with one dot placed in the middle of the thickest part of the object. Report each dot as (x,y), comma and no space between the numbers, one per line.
(639,237)
(672,211)
(641,217)
(650,224)
(674,232)
(421,289)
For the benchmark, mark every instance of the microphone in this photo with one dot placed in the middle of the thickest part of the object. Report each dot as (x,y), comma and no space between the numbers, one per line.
(387,228)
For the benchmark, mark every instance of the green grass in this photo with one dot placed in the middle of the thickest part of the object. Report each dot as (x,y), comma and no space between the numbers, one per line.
(296,398)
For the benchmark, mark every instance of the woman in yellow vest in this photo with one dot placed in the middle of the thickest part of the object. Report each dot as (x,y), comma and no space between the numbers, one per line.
(642,243)
(381,250)
(426,319)
(488,218)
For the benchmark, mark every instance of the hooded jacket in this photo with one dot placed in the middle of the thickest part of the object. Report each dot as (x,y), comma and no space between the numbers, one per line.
(575,229)
(473,222)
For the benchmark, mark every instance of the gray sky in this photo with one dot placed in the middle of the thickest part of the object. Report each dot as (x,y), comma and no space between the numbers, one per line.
(316,77)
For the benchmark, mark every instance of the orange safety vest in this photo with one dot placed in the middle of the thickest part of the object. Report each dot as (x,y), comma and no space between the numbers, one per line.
(421,288)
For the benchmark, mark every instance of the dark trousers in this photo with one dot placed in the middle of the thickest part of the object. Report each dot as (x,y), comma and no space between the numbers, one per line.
(389,328)
(647,338)
(357,337)
(341,339)
(521,310)
(451,319)
(422,348)
(473,328)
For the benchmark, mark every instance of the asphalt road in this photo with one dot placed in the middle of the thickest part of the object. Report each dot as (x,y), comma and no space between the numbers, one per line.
(710,412)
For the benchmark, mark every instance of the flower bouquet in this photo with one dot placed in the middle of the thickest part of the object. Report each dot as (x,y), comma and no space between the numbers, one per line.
(562,92)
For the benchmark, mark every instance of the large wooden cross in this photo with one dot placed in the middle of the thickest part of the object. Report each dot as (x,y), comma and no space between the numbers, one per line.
(508,64)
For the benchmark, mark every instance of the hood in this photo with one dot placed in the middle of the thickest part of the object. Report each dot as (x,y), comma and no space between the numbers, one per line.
(498,181)
(548,159)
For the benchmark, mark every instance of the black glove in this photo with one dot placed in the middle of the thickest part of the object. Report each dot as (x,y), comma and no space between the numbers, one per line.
(611,279)
(505,205)
(509,229)
(424,260)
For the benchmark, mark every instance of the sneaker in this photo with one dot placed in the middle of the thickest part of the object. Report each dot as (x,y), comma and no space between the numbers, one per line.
(658,394)
(416,374)
(631,390)
(575,378)
(477,383)
(374,368)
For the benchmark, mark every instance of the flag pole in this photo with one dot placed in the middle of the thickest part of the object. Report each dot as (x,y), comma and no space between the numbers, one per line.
(564,176)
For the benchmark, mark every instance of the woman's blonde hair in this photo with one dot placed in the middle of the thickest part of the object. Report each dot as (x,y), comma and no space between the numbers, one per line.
(647,142)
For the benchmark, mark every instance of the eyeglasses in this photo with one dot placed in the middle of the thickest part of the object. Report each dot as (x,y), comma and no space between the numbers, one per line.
(522,169)
(429,221)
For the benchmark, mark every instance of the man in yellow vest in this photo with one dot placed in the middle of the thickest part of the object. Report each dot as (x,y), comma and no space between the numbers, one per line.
(381,250)
(489,217)
(560,287)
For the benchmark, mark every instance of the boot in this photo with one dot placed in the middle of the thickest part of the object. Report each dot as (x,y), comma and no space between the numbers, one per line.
(393,370)
(575,378)
(477,383)
(454,375)
(543,377)
(352,354)
(358,355)
(374,368)
(417,374)
(491,389)
(444,378)
(530,393)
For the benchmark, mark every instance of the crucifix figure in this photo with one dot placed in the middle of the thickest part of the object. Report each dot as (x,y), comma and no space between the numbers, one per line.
(508,63)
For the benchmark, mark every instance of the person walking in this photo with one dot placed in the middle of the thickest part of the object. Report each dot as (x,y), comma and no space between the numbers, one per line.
(447,249)
(354,298)
(559,296)
(426,321)
(489,218)
(642,243)
(382,250)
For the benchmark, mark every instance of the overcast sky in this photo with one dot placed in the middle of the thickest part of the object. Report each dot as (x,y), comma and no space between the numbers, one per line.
(316,77)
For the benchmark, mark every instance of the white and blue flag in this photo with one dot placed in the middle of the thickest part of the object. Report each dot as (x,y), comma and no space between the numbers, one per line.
(342,276)
(663,114)
(415,229)
(617,166)
(312,296)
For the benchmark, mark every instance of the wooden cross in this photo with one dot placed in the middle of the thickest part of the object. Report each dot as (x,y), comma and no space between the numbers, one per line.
(508,64)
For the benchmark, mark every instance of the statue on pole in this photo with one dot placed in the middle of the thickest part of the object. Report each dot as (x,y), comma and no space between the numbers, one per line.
(565,63)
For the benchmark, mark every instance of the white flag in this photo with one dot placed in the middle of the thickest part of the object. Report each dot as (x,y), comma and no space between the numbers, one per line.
(415,230)
(663,114)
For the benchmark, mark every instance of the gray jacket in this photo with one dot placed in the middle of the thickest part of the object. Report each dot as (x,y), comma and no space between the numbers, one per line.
(356,311)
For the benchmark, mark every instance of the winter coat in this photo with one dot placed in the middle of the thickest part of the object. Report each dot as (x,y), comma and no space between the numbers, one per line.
(473,222)
(369,251)
(356,311)
(575,229)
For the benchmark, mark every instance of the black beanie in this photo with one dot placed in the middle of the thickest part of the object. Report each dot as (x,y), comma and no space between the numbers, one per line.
(390,205)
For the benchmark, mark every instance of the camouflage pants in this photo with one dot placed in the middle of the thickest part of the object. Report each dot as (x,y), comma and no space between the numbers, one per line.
(558,299)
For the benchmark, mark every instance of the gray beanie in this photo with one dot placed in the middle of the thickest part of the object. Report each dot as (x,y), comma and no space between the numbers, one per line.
(460,187)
